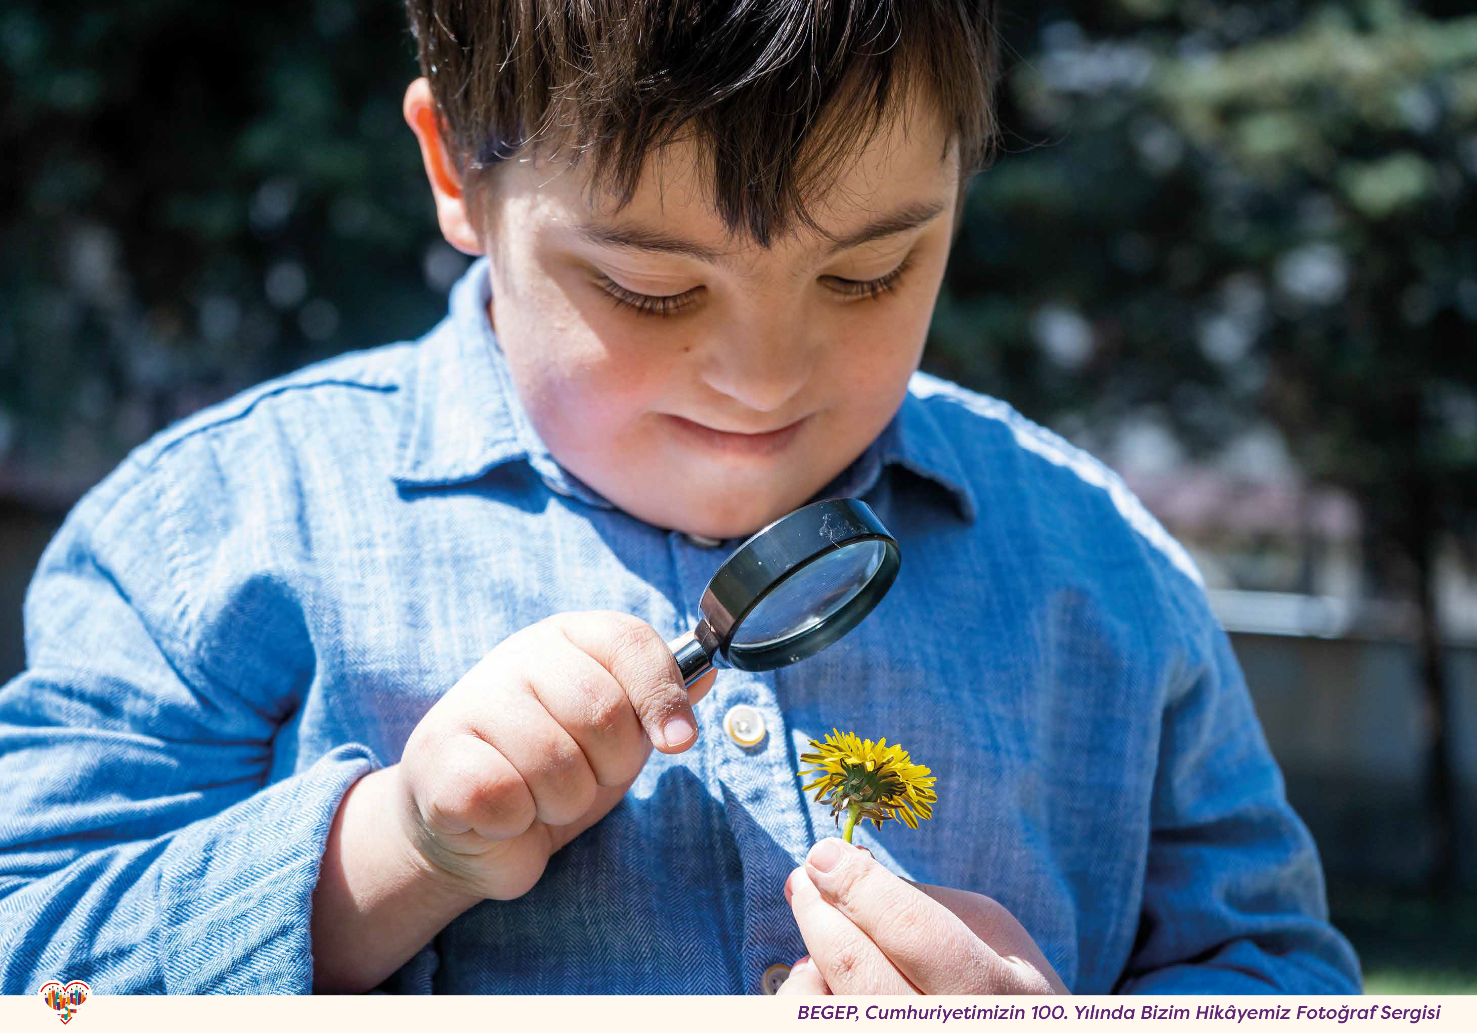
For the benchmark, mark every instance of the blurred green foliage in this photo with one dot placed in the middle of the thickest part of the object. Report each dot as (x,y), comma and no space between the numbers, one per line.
(1219,216)
(194,198)
(1408,942)
(1209,215)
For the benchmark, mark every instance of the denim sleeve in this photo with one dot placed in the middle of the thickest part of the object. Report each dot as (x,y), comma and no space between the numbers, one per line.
(141,847)
(1234,898)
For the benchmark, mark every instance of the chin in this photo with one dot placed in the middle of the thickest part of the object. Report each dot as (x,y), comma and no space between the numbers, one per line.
(729,527)
(739,515)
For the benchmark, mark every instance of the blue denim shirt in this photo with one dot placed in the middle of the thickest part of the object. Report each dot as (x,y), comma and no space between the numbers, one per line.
(259,604)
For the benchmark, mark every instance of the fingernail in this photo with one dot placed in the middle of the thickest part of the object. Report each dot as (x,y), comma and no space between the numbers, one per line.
(826,854)
(678,730)
(804,959)
(789,893)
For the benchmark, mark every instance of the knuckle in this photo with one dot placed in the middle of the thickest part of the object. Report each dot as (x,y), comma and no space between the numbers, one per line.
(903,918)
(570,799)
(553,624)
(509,655)
(505,799)
(419,746)
(442,815)
(582,691)
(494,801)
(569,786)
(559,758)
(846,881)
(625,629)
(637,643)
(540,641)
(602,710)
(632,642)
(449,805)
(846,966)
(506,820)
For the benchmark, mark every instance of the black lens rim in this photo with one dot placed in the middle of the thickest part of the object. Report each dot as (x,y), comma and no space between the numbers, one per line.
(786,545)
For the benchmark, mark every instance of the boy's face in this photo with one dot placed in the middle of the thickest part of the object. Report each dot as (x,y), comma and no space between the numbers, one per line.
(754,339)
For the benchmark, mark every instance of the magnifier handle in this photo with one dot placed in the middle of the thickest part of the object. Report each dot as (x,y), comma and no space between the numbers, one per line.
(692,659)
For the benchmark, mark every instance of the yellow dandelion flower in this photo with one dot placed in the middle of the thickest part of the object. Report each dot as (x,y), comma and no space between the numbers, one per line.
(868,780)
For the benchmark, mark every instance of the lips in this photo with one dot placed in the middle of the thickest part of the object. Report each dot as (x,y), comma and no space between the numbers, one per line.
(731,443)
(747,433)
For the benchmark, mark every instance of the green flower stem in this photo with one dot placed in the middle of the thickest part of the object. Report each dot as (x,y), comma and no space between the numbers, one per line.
(852,814)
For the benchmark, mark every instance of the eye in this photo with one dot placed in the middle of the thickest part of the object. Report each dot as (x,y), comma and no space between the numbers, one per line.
(874,289)
(647,304)
(670,304)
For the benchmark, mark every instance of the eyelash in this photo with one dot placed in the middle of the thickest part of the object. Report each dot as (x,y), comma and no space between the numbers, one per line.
(654,305)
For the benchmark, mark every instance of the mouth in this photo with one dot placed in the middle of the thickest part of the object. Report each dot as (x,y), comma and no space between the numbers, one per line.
(734,443)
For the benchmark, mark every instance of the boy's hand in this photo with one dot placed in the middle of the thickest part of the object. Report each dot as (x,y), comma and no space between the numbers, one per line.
(536,743)
(871,932)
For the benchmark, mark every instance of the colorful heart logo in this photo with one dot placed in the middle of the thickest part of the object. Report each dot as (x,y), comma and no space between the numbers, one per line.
(64,999)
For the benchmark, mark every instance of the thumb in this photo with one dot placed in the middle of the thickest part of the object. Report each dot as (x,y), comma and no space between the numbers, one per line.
(696,691)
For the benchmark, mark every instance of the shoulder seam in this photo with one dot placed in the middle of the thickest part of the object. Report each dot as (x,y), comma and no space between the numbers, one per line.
(143,458)
(250,404)
(1055,449)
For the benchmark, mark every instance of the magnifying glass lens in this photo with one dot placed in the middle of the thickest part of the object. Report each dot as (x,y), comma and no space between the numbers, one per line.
(791,589)
(810,596)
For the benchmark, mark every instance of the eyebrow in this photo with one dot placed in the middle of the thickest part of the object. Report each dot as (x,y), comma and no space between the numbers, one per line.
(641,238)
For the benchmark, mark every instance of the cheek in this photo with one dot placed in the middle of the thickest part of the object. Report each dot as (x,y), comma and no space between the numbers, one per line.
(586,397)
(581,388)
(875,356)
(884,340)
(603,354)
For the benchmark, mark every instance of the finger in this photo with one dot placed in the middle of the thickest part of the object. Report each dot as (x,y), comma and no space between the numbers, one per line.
(476,794)
(588,703)
(928,943)
(638,658)
(992,922)
(546,756)
(987,918)
(849,961)
(606,797)
(805,980)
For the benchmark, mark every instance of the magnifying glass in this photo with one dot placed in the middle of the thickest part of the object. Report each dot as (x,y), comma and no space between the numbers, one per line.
(791,589)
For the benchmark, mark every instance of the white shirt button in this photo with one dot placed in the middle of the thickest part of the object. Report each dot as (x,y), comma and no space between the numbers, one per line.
(703,541)
(744,724)
(774,977)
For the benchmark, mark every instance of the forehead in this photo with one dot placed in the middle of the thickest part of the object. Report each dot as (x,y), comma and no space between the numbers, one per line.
(911,160)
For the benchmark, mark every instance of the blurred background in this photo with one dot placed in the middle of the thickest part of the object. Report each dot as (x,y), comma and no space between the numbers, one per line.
(1229,248)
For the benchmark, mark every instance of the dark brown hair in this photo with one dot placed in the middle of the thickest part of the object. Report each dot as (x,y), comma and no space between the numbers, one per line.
(758,85)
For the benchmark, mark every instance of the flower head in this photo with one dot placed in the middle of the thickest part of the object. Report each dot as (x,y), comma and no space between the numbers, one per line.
(868,780)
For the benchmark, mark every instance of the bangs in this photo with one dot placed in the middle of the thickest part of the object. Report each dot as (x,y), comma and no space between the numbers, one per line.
(775,95)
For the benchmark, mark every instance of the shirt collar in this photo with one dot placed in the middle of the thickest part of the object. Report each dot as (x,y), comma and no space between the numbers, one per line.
(463,417)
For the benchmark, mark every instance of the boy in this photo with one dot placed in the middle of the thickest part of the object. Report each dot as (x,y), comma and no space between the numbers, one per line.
(358,680)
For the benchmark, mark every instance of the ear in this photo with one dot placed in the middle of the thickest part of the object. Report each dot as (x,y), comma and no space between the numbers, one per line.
(451,211)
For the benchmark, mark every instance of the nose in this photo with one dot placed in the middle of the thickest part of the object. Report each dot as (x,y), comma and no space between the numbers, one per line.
(761,364)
